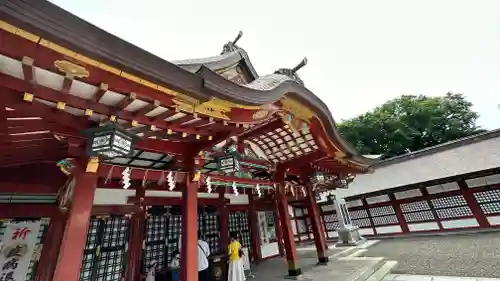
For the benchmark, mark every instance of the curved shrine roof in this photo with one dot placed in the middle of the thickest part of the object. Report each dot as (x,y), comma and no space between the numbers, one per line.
(200,81)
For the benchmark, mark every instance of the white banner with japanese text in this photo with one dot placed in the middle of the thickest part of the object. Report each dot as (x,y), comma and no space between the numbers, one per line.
(18,245)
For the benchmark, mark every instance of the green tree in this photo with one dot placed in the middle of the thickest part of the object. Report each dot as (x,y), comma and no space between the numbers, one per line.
(411,123)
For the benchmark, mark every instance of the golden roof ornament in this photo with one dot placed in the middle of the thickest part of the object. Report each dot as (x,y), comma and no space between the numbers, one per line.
(71,69)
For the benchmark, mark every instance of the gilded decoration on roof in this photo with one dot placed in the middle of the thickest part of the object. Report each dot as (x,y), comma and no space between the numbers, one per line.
(261,114)
(297,109)
(215,108)
(71,69)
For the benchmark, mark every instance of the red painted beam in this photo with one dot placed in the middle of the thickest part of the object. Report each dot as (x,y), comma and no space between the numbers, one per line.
(25,188)
(136,173)
(83,104)
(162,201)
(115,209)
(17,47)
(239,180)
(8,211)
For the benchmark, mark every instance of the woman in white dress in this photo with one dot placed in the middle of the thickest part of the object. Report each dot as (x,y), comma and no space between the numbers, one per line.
(235,254)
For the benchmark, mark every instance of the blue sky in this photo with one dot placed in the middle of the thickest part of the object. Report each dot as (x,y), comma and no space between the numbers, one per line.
(361,53)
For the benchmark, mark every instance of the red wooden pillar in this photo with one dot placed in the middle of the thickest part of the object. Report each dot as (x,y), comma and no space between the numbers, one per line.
(75,235)
(425,194)
(52,242)
(254,228)
(319,235)
(223,221)
(279,232)
(473,205)
(370,218)
(136,238)
(291,250)
(399,213)
(296,222)
(189,241)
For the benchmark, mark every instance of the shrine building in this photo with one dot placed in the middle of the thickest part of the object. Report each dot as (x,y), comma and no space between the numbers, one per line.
(110,154)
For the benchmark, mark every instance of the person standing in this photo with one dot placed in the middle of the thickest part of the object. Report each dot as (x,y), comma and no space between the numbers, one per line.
(235,253)
(203,254)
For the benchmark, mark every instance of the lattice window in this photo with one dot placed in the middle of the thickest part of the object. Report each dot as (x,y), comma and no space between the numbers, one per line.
(357,214)
(208,223)
(415,206)
(447,202)
(489,201)
(365,222)
(332,226)
(155,241)
(419,216)
(384,220)
(30,275)
(488,196)
(105,252)
(238,222)
(381,211)
(451,207)
(454,212)
(490,208)
(330,218)
(301,226)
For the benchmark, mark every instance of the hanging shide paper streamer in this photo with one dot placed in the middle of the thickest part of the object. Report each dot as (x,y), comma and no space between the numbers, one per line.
(209,185)
(170,181)
(126,178)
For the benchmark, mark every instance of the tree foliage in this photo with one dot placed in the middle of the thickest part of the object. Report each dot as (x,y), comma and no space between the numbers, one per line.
(411,123)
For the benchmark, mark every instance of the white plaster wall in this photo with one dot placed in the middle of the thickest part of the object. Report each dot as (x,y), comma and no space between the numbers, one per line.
(474,157)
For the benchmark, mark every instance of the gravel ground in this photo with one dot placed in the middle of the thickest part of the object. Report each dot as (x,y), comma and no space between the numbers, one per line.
(471,255)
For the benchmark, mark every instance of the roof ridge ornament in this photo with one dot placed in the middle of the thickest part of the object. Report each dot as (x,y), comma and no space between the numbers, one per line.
(292,73)
(231,45)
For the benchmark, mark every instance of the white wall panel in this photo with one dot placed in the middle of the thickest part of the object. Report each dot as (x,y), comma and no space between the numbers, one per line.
(470,158)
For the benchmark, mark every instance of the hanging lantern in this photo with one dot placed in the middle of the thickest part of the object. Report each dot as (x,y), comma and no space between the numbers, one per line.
(228,163)
(110,141)
(318,178)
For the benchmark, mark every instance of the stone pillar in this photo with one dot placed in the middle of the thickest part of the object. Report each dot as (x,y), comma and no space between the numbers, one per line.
(189,241)
(319,234)
(75,234)
(348,233)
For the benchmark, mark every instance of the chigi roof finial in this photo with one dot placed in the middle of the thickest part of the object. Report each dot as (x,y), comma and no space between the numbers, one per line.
(292,73)
(240,34)
(231,45)
(300,65)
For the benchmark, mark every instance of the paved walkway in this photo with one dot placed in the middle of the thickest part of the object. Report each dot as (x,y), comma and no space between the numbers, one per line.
(405,277)
(338,269)
(451,255)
